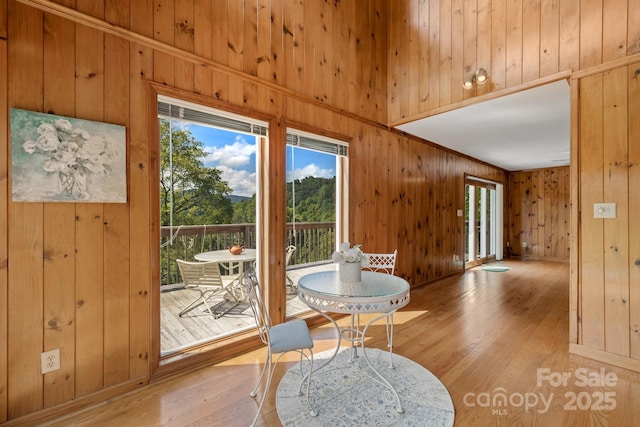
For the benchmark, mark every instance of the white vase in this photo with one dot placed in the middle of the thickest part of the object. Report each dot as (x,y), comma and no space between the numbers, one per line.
(350,272)
(73,184)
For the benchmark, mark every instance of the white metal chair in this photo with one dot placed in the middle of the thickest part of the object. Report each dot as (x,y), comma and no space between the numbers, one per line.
(288,255)
(205,278)
(282,338)
(383,263)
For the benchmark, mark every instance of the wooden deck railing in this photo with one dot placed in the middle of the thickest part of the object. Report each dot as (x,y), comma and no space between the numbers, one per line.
(315,242)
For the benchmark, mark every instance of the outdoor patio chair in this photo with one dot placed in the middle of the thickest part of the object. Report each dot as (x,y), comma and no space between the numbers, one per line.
(288,255)
(383,263)
(280,339)
(205,278)
(231,271)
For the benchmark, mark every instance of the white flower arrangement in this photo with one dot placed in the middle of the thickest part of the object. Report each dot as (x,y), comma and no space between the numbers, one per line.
(346,253)
(72,154)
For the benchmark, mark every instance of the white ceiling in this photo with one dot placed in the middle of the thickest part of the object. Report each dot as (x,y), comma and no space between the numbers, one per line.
(524,130)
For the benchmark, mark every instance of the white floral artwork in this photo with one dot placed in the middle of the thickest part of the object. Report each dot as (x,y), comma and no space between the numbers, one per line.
(63,159)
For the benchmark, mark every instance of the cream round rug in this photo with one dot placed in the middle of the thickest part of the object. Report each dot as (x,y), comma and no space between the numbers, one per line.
(345,394)
(497,268)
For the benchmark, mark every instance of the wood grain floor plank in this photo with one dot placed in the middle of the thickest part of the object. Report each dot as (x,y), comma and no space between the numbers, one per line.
(481,333)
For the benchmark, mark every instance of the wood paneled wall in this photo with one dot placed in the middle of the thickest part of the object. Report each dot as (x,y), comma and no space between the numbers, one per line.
(539,212)
(410,201)
(609,163)
(4,183)
(435,44)
(82,277)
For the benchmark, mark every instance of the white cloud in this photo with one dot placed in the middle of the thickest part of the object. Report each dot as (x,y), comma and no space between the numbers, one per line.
(242,182)
(232,158)
(310,170)
(235,155)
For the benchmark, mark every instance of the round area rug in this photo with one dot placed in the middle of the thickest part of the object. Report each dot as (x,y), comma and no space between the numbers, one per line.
(346,394)
(498,268)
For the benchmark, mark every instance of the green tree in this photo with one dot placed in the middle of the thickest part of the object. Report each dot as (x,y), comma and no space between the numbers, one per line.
(315,200)
(244,212)
(200,195)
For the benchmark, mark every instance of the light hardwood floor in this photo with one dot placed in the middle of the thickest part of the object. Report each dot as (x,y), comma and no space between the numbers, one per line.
(482,333)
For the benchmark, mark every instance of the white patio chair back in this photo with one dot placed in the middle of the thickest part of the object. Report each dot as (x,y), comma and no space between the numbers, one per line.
(382,263)
(288,255)
(256,301)
(282,338)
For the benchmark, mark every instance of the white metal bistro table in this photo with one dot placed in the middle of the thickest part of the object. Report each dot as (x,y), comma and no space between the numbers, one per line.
(376,293)
(224,256)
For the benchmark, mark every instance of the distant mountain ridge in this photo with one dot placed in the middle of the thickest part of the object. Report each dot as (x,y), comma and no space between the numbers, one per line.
(237,199)
(315,202)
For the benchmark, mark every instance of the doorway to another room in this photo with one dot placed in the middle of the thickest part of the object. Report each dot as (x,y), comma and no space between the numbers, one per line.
(483,221)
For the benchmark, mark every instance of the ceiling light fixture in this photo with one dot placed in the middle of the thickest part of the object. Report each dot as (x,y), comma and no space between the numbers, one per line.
(480,76)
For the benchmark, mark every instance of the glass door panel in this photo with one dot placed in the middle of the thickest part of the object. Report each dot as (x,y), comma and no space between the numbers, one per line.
(208,183)
(315,167)
(480,222)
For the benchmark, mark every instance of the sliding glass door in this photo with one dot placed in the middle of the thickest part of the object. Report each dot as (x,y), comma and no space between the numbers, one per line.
(483,221)
(209,170)
(316,179)
(212,185)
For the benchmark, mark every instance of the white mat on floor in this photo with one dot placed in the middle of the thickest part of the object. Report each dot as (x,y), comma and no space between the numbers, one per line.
(496,268)
(348,396)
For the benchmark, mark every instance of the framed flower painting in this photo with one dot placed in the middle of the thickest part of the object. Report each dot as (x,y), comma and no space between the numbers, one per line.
(63,159)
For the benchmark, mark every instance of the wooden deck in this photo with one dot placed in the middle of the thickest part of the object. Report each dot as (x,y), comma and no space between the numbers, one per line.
(197,325)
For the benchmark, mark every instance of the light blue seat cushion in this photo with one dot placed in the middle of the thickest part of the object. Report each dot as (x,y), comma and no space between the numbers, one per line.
(290,335)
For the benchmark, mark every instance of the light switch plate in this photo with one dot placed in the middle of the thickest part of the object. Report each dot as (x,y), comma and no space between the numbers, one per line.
(459,212)
(604,210)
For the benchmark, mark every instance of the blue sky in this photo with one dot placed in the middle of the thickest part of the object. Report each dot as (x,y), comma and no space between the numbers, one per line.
(235,155)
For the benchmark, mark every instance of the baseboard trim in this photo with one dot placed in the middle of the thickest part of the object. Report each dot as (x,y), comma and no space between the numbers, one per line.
(74,406)
(537,258)
(603,356)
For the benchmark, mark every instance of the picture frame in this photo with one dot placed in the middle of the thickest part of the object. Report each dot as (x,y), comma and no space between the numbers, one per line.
(64,159)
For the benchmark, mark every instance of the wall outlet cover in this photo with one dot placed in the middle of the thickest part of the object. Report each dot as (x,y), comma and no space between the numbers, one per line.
(50,360)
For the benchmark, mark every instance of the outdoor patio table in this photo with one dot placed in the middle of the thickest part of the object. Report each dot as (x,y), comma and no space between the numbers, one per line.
(377,293)
(224,256)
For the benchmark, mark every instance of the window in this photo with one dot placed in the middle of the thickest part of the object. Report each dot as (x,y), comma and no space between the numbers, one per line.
(208,184)
(316,214)
(212,185)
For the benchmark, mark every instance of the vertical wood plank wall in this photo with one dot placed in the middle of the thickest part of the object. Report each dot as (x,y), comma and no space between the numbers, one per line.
(554,37)
(633,80)
(80,277)
(574,37)
(539,214)
(609,112)
(59,221)
(4,122)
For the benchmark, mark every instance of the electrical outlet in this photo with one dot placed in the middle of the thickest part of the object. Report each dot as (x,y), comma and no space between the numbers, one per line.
(524,244)
(50,360)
